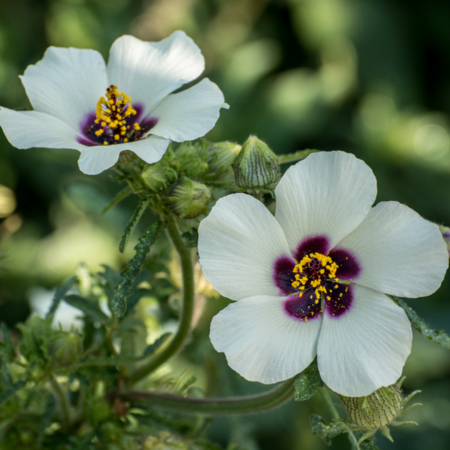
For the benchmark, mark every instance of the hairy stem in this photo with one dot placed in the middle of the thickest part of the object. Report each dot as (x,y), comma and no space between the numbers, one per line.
(62,400)
(294,157)
(214,406)
(176,343)
(334,412)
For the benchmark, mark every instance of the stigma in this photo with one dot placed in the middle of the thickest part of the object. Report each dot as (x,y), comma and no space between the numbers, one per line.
(312,274)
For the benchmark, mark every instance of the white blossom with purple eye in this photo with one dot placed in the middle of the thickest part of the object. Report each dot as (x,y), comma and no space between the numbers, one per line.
(312,280)
(100,110)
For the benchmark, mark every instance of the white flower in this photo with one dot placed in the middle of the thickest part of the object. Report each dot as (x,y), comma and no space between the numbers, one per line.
(100,110)
(291,273)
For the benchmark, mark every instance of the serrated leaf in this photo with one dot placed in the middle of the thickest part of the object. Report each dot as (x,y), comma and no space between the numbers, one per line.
(90,308)
(438,337)
(124,193)
(8,392)
(61,291)
(125,288)
(308,382)
(141,207)
(325,431)
(153,347)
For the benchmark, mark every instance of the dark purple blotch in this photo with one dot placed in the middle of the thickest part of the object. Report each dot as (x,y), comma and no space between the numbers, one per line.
(283,275)
(312,244)
(340,299)
(303,308)
(349,266)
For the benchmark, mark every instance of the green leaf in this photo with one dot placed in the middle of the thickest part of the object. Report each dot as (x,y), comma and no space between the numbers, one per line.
(61,291)
(8,392)
(124,193)
(6,347)
(125,287)
(326,431)
(438,337)
(191,238)
(90,308)
(141,207)
(153,347)
(307,383)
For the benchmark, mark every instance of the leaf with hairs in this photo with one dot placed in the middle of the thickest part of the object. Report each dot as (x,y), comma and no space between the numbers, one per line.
(61,291)
(141,207)
(125,288)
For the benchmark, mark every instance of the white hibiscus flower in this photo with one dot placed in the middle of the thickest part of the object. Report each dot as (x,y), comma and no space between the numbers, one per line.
(312,280)
(100,110)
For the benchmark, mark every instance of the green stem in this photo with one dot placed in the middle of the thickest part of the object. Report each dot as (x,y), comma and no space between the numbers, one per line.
(215,406)
(64,407)
(176,343)
(335,414)
(294,157)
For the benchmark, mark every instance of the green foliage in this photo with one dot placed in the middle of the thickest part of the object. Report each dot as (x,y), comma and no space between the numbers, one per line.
(61,291)
(121,195)
(326,431)
(153,347)
(438,337)
(141,207)
(124,289)
(308,382)
(90,308)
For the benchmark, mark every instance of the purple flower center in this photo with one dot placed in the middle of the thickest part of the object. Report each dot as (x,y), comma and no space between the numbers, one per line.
(319,275)
(115,121)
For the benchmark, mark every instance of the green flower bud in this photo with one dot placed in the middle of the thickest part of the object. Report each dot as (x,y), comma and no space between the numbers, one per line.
(220,156)
(377,409)
(66,349)
(164,441)
(256,166)
(158,176)
(188,198)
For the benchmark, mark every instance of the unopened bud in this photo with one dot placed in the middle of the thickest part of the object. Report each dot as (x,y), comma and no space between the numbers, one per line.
(188,198)
(220,156)
(256,166)
(158,176)
(67,349)
(165,441)
(375,410)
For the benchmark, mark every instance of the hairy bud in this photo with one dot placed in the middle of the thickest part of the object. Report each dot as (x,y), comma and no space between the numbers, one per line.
(158,176)
(378,410)
(188,198)
(256,166)
(220,156)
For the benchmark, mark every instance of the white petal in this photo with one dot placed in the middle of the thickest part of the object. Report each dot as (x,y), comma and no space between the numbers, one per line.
(99,158)
(400,252)
(27,129)
(366,347)
(67,83)
(261,342)
(239,243)
(329,193)
(189,114)
(149,71)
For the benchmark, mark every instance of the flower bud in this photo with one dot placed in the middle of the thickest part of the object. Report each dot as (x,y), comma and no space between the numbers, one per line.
(67,349)
(158,176)
(165,441)
(377,409)
(220,156)
(189,198)
(256,166)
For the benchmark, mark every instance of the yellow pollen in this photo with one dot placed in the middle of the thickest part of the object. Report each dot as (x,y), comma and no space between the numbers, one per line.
(116,137)
(105,143)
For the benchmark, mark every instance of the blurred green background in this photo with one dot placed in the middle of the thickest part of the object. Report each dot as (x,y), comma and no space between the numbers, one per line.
(369,77)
